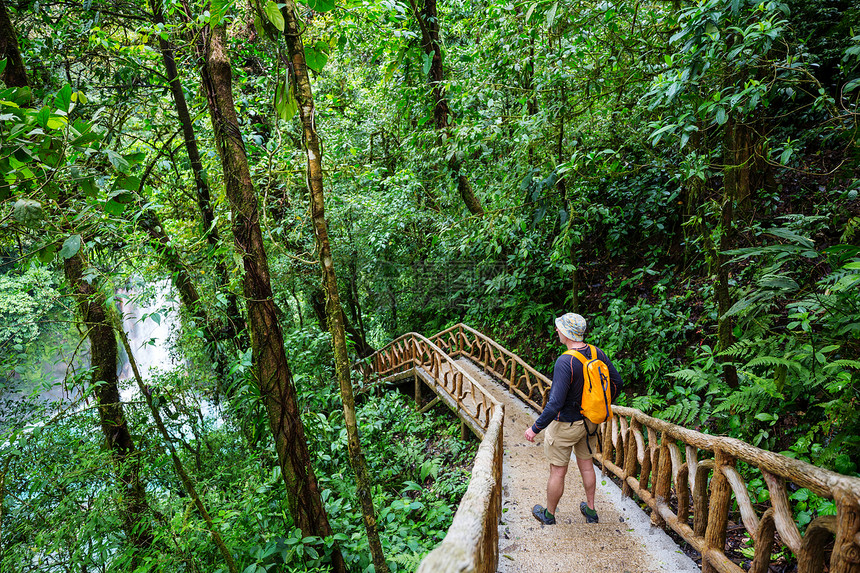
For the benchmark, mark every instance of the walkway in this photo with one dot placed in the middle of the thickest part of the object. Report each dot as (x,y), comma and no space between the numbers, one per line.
(624,540)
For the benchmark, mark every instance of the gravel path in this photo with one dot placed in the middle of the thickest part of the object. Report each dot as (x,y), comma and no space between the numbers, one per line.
(623,542)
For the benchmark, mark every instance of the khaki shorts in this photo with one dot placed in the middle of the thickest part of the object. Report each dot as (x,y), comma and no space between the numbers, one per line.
(562,437)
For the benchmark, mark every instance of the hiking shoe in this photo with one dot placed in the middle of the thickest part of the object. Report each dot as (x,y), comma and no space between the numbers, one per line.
(590,514)
(542,515)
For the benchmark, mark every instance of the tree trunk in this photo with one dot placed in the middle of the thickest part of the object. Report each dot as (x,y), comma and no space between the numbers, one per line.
(15,74)
(235,324)
(735,187)
(318,302)
(334,312)
(95,320)
(270,365)
(428,21)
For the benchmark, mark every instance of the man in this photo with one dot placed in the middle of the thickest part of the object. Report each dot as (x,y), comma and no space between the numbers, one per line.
(566,428)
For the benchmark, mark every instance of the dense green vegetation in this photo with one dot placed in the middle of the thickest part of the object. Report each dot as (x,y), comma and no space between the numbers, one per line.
(685,175)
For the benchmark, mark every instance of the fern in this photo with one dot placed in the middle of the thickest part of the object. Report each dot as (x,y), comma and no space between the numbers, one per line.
(776,362)
(410,561)
(744,349)
(647,402)
(682,412)
(751,398)
(842,363)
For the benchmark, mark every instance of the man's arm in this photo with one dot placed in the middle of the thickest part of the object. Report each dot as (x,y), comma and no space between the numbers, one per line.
(561,378)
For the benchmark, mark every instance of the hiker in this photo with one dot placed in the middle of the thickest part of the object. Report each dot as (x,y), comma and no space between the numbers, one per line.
(566,427)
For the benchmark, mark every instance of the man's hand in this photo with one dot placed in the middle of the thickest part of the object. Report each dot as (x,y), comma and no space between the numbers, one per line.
(530,436)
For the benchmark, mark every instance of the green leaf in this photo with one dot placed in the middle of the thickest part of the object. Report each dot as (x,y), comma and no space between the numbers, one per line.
(71,246)
(89,187)
(321,5)
(2,65)
(550,15)
(64,98)
(427,62)
(721,116)
(128,182)
(46,254)
(273,13)
(217,11)
(42,116)
(285,101)
(114,208)
(56,122)
(315,56)
(118,162)
(28,212)
(851,86)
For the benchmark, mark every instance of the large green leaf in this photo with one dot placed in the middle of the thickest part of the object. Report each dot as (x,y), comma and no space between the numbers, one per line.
(285,101)
(316,56)
(64,98)
(273,13)
(28,212)
(71,246)
(321,5)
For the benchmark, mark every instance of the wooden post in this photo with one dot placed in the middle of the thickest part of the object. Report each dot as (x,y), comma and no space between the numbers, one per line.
(718,512)
(664,478)
(846,550)
(630,460)
(763,543)
(463,430)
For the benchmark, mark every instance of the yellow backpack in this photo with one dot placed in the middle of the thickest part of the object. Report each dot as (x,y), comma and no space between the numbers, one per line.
(596,389)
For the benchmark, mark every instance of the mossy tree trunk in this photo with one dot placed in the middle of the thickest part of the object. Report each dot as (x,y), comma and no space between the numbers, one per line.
(428,21)
(270,365)
(334,311)
(95,321)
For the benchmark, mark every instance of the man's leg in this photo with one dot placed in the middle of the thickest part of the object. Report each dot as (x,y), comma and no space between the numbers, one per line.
(555,486)
(589,479)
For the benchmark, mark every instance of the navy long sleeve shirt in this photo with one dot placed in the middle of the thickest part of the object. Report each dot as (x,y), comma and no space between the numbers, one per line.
(565,394)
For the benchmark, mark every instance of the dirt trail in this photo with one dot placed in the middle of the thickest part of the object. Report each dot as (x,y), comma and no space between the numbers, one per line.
(623,541)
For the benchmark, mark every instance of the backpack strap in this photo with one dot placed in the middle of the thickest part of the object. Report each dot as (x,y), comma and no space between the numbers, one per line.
(581,357)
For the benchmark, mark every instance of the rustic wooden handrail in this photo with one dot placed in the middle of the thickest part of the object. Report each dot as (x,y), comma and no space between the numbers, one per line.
(524,381)
(472,541)
(646,454)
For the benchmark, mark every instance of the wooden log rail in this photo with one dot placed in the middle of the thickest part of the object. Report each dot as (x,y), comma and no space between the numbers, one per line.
(692,481)
(472,541)
(531,386)
(413,355)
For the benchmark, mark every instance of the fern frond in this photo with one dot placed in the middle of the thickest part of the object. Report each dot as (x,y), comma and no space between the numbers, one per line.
(751,398)
(743,349)
(842,363)
(410,561)
(775,361)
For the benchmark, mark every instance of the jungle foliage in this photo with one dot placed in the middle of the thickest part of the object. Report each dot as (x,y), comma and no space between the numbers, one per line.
(684,174)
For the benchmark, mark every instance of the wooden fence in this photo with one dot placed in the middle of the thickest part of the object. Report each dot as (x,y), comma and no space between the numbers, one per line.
(472,541)
(694,482)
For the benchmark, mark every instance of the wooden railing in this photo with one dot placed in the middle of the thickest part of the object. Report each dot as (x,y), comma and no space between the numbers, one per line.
(646,453)
(672,469)
(472,541)
(530,385)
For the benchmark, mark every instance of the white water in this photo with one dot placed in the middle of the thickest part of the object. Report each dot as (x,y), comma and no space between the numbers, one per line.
(149,328)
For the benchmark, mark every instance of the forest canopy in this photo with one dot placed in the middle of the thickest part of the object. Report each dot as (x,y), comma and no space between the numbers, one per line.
(286,187)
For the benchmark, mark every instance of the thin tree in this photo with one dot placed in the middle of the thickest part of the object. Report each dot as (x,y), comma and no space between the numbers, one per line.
(428,22)
(334,312)
(96,324)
